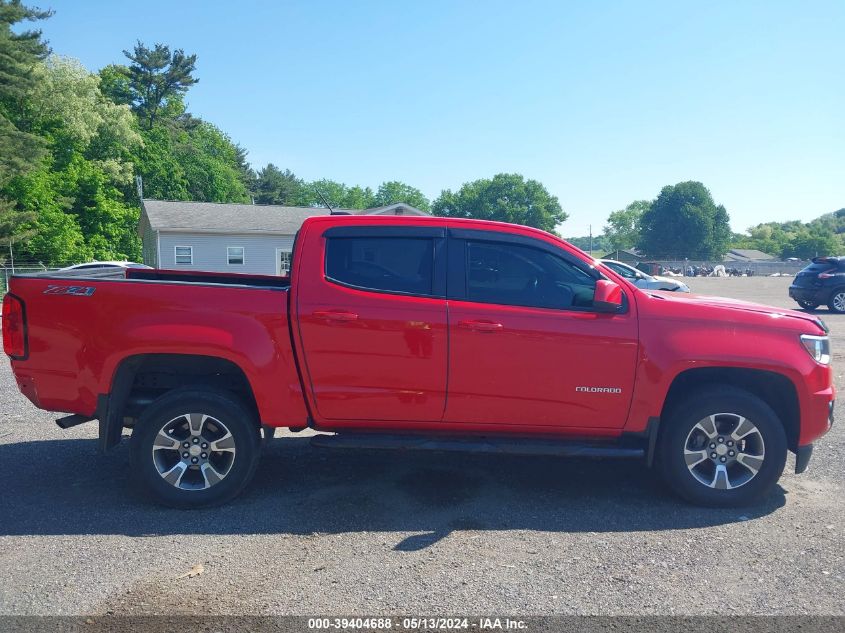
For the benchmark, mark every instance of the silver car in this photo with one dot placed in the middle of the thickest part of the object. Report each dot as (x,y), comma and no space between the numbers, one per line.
(642,280)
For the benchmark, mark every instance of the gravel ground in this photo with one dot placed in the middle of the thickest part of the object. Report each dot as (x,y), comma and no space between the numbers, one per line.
(386,533)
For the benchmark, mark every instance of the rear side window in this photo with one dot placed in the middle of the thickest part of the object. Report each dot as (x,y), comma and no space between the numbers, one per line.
(822,265)
(386,264)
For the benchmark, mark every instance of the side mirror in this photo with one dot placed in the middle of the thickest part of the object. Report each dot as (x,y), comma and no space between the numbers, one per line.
(608,296)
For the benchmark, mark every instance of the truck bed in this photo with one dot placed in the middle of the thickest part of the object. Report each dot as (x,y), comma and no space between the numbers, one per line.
(83,325)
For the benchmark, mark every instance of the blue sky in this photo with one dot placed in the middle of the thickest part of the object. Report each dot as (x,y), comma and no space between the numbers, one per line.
(603,102)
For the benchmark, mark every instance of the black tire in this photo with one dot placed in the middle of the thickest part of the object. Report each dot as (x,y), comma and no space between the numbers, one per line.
(225,414)
(807,305)
(677,432)
(836,303)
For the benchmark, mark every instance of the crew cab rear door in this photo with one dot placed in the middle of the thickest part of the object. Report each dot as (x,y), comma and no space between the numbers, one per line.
(526,347)
(372,319)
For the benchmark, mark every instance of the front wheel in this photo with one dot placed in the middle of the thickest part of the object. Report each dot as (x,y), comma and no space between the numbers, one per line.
(193,448)
(722,447)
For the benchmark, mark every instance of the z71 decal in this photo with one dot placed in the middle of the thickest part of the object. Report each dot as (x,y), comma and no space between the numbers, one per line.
(79,291)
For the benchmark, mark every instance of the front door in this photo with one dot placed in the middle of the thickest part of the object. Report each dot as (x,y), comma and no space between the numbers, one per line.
(372,320)
(526,347)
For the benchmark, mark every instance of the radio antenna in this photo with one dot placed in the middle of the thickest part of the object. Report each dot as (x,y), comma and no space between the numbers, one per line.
(325,202)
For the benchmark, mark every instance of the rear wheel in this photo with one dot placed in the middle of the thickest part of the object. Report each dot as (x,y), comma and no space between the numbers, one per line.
(807,305)
(193,448)
(837,301)
(722,447)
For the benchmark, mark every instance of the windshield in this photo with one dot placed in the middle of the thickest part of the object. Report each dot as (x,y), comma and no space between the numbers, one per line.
(625,271)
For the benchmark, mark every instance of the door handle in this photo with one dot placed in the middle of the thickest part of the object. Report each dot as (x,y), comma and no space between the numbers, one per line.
(481,326)
(335,315)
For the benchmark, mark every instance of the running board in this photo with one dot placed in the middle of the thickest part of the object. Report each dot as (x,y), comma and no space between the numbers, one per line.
(72,420)
(496,445)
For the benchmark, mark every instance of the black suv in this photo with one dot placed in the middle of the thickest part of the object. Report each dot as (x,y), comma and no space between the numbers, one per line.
(823,281)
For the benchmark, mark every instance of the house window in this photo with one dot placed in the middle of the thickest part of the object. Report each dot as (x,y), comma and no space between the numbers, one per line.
(235,255)
(282,262)
(184,255)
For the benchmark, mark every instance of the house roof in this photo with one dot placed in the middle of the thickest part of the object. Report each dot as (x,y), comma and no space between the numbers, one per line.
(216,217)
(746,255)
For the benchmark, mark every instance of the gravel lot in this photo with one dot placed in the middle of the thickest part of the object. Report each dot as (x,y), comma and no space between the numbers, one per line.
(385,533)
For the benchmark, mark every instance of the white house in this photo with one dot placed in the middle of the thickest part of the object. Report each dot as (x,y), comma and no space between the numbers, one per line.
(237,238)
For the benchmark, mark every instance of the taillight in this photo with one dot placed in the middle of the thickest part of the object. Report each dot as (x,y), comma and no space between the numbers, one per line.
(14,327)
(826,275)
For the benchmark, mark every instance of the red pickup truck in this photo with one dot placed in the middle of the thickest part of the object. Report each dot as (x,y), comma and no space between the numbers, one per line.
(423,333)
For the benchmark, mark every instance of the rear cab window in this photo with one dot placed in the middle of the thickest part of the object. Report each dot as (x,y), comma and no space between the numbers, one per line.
(391,264)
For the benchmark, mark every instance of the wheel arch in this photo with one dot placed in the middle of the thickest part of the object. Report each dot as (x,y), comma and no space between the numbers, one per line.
(141,378)
(773,388)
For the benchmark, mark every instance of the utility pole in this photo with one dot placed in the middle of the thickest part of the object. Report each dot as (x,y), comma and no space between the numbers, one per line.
(139,185)
(12,255)
(591,240)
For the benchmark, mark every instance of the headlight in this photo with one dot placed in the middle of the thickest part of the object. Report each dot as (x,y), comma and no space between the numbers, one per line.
(818,347)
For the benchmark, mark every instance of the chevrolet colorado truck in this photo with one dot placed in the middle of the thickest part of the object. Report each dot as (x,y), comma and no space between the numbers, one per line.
(422,333)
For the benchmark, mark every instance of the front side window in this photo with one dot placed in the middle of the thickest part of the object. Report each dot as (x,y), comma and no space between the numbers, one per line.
(184,255)
(387,264)
(512,274)
(235,255)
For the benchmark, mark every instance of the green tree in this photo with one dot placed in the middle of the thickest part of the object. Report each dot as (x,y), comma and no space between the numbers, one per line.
(76,197)
(274,186)
(209,161)
(685,222)
(20,150)
(808,243)
(824,235)
(69,109)
(506,198)
(156,163)
(600,244)
(394,191)
(623,227)
(358,197)
(116,84)
(158,78)
(338,195)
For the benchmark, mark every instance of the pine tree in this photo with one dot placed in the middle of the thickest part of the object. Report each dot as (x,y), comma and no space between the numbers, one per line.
(20,151)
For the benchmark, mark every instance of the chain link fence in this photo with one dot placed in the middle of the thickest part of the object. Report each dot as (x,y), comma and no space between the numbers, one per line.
(685,267)
(8,270)
(105,272)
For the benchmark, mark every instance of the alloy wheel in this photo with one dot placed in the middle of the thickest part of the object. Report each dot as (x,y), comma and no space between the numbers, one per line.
(724,451)
(194,451)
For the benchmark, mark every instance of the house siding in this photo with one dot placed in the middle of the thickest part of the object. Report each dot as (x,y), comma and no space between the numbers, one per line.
(148,243)
(209,251)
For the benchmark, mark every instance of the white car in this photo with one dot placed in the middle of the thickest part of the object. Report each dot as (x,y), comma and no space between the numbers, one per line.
(642,280)
(104,265)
